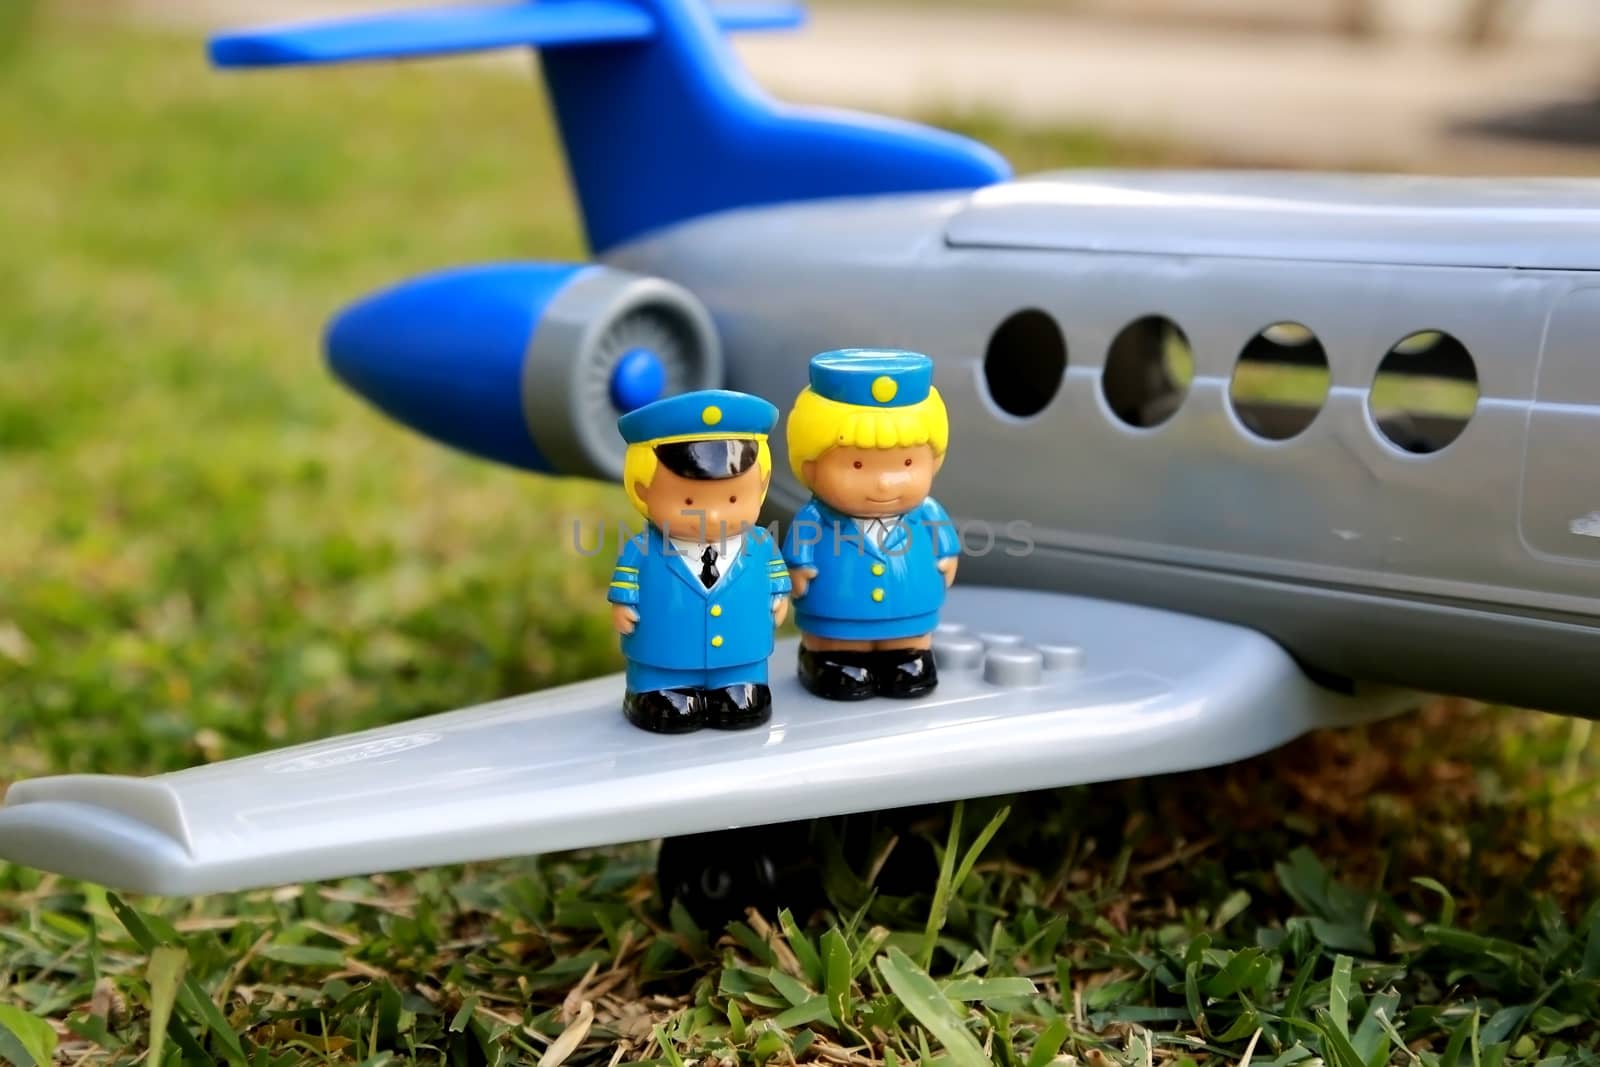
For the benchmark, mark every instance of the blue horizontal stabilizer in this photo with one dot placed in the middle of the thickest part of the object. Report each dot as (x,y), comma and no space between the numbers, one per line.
(735,17)
(436,31)
(433,31)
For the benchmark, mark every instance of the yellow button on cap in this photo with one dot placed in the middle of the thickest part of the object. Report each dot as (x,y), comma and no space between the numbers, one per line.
(711,415)
(716,609)
(716,642)
(877,594)
(877,568)
(884,388)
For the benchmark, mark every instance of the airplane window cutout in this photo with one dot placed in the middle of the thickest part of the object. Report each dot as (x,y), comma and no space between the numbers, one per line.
(1148,370)
(1025,363)
(1280,382)
(1425,392)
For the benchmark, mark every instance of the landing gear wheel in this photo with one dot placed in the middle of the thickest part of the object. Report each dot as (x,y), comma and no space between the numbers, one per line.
(718,875)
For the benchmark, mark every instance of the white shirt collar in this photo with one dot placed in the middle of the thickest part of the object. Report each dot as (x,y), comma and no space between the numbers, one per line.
(689,553)
(727,547)
(877,528)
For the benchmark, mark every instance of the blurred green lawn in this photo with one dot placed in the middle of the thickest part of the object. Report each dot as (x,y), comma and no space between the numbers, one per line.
(207,549)
(208,546)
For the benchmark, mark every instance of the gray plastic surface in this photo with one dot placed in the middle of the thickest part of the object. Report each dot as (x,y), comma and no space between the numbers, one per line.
(1127,691)
(1548,223)
(1472,570)
(566,378)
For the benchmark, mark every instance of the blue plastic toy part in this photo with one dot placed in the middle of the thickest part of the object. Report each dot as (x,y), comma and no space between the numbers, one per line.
(660,124)
(737,17)
(674,129)
(469,28)
(638,378)
(444,354)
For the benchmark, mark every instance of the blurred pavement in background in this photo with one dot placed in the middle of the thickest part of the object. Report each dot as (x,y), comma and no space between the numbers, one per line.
(1528,20)
(1251,81)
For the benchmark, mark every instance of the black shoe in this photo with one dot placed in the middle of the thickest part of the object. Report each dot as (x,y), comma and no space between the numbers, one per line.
(665,711)
(737,707)
(905,672)
(836,675)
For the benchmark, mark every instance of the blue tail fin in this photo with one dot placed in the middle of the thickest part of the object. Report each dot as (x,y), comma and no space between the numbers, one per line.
(659,120)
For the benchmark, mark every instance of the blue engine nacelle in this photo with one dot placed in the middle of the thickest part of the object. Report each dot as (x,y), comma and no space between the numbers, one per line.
(526,363)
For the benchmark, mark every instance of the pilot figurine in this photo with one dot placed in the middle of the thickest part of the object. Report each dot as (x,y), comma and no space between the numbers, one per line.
(696,595)
(872,553)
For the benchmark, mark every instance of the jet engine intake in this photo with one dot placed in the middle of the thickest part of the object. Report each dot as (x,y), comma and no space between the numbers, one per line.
(528,364)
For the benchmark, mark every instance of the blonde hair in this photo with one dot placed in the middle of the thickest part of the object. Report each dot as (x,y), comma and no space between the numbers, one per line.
(817,424)
(639,463)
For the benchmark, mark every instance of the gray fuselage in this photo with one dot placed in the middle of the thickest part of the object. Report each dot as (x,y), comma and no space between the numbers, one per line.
(1472,569)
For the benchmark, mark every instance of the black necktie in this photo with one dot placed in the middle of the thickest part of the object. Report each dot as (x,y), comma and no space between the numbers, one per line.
(708,569)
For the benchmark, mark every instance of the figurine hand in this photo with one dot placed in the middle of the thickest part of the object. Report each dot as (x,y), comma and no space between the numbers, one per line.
(947,567)
(799,578)
(623,618)
(780,611)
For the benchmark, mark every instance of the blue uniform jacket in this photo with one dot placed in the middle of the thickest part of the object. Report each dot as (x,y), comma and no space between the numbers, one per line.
(682,624)
(864,592)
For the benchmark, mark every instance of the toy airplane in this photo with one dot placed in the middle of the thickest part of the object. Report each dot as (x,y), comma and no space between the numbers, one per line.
(1163,570)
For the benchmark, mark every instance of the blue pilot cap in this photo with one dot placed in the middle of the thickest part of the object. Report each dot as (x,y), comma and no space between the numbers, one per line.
(704,415)
(872,377)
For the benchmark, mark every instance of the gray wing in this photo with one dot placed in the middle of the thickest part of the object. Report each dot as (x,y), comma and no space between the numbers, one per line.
(1037,690)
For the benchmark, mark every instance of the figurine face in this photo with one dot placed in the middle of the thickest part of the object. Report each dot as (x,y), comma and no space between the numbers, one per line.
(692,509)
(873,483)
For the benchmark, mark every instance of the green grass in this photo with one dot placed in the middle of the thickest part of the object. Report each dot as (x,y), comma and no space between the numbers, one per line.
(206,549)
